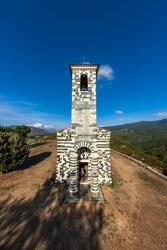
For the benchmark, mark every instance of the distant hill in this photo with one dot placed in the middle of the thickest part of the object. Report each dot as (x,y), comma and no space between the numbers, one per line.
(160,124)
(37,131)
(145,140)
(34,130)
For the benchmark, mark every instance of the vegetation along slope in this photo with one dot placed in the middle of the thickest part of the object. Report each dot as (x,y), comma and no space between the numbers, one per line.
(145,141)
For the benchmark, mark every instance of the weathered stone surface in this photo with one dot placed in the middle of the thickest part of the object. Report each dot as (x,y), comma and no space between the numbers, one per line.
(83,133)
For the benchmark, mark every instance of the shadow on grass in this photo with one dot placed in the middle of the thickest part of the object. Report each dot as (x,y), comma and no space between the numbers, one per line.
(31,161)
(45,222)
(37,144)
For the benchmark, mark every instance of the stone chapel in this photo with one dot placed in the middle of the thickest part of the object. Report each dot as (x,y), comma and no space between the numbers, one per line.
(83,147)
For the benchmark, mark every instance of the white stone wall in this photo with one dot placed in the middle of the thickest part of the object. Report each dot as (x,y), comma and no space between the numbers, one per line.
(103,150)
(64,151)
(63,155)
(83,118)
(83,131)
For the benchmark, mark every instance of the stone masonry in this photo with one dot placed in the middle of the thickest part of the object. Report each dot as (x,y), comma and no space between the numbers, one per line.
(83,141)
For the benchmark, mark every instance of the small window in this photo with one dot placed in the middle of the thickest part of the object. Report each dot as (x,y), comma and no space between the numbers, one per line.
(84,83)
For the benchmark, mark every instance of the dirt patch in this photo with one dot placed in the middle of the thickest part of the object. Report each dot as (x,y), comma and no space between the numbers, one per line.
(138,203)
(33,215)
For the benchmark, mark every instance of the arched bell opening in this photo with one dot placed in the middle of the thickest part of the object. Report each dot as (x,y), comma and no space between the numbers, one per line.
(83,164)
(84,83)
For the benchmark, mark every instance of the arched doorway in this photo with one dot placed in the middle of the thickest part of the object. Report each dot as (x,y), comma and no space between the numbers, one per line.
(83,164)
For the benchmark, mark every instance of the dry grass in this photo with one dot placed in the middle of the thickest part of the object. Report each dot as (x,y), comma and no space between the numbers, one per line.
(33,215)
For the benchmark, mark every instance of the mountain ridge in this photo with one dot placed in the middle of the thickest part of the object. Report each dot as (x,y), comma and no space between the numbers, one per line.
(34,130)
(145,141)
(140,125)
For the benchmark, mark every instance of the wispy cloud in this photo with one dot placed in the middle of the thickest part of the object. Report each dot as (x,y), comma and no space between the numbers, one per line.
(85,63)
(103,85)
(17,113)
(106,72)
(161,114)
(119,112)
(27,103)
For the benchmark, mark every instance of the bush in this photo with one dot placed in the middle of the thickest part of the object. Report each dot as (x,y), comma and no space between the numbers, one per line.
(13,147)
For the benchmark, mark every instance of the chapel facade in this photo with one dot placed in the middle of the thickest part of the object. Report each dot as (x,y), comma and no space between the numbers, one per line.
(83,146)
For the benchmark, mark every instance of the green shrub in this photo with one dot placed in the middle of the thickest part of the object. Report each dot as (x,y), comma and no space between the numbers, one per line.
(148,146)
(13,147)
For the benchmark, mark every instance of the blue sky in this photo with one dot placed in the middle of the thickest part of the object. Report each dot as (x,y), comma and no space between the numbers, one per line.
(39,39)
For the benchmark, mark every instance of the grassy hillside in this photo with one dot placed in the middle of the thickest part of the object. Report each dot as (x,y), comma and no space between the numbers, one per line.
(146,141)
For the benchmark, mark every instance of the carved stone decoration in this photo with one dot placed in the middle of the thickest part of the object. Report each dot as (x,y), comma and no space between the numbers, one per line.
(83,153)
(94,174)
(73,174)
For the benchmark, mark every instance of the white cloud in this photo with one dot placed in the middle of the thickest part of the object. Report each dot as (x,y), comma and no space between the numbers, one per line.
(118,112)
(120,119)
(161,114)
(40,125)
(46,127)
(106,72)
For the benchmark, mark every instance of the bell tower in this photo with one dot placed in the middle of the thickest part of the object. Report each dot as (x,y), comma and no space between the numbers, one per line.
(83,149)
(83,117)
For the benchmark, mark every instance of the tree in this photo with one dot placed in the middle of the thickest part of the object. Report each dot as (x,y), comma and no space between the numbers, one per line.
(13,147)
(22,130)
